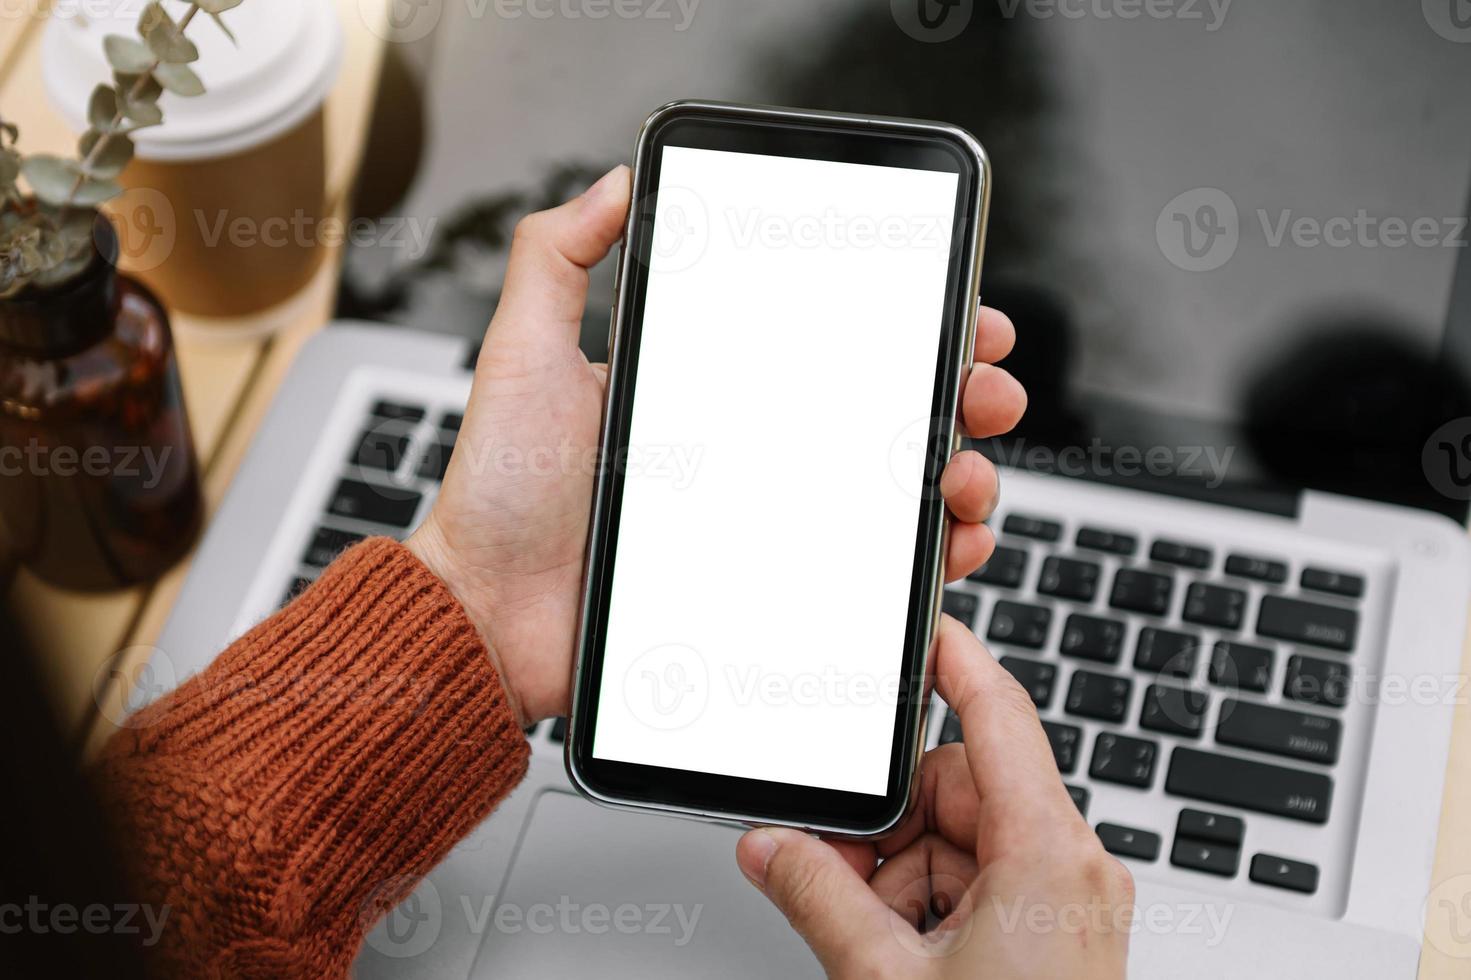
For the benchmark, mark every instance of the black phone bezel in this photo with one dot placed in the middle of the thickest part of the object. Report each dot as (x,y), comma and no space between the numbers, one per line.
(843,140)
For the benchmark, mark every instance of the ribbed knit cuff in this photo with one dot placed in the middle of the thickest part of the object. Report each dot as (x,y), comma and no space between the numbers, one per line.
(295,790)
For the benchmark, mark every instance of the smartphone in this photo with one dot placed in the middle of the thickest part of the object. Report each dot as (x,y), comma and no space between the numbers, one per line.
(793,319)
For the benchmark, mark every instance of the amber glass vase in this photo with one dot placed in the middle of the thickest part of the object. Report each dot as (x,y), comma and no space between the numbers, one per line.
(98,483)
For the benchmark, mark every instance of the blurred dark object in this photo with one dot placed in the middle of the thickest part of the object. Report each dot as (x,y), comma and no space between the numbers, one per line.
(394,148)
(67,910)
(100,489)
(1361,378)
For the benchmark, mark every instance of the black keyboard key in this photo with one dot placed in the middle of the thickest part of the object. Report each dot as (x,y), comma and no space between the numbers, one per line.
(1242,666)
(1314,681)
(559,730)
(1128,842)
(1166,652)
(1068,578)
(1113,542)
(1337,583)
(1175,553)
(1039,528)
(297,587)
(1038,678)
(451,421)
(1280,731)
(1031,527)
(1216,859)
(1020,625)
(398,410)
(1092,638)
(1214,605)
(1080,798)
(1250,785)
(950,730)
(1007,568)
(381,448)
(1260,569)
(436,457)
(1299,621)
(1100,696)
(1173,710)
(1143,592)
(1216,828)
(376,502)
(1124,760)
(962,606)
(327,544)
(1280,872)
(1064,740)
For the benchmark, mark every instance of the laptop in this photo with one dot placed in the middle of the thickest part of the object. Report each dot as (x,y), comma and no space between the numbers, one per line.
(1232,564)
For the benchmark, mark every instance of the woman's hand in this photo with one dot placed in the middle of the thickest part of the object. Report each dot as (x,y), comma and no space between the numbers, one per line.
(508,530)
(995,859)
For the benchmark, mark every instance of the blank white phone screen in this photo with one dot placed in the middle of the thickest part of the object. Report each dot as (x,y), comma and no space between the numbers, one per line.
(770,510)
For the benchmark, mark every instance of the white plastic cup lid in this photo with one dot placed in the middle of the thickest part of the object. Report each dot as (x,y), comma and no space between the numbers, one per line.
(286,61)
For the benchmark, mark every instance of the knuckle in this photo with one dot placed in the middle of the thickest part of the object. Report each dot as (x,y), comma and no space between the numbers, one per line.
(1012,699)
(529,229)
(1106,877)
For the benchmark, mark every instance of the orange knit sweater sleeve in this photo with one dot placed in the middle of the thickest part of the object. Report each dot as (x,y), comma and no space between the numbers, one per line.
(282,801)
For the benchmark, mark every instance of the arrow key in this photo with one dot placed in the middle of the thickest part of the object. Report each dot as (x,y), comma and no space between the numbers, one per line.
(1280,872)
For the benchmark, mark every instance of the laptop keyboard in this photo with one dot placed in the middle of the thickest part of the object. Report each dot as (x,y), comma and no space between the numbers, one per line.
(1082,626)
(1095,652)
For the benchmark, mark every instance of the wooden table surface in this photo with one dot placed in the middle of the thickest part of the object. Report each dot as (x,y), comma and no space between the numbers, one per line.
(228,385)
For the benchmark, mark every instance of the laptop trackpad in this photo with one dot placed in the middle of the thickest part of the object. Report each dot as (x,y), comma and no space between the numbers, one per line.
(596,891)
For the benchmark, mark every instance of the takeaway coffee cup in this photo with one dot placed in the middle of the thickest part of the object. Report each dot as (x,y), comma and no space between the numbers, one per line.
(225,202)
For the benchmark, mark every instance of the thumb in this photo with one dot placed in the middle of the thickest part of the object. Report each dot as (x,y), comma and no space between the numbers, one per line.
(824,899)
(546,279)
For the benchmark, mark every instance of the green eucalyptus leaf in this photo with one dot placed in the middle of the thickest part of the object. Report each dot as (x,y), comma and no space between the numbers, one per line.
(64,271)
(143,113)
(180,80)
(102,107)
(220,23)
(9,168)
(10,130)
(94,191)
(148,89)
(51,178)
(164,38)
(116,153)
(127,55)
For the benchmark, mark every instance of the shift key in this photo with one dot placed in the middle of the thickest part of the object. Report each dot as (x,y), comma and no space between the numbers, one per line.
(1250,785)
(1298,621)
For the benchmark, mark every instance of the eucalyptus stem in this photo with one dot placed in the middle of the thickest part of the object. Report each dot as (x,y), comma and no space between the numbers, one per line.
(120,114)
